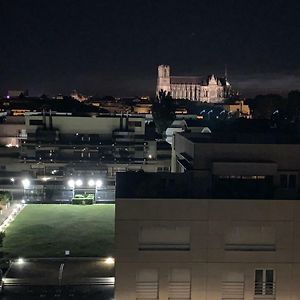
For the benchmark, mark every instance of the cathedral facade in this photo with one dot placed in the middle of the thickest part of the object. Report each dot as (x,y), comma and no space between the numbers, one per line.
(210,89)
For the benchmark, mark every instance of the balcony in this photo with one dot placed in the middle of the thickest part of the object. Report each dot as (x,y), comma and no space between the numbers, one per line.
(264,290)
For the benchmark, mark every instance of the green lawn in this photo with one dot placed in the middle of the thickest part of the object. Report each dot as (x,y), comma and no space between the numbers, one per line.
(47,230)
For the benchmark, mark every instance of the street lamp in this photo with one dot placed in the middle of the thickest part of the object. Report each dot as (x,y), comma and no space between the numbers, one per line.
(91,183)
(71,184)
(26,184)
(99,183)
(78,182)
(109,260)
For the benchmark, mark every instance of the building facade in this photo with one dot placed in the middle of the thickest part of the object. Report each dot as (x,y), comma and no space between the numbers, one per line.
(240,165)
(210,89)
(225,227)
(57,147)
(215,249)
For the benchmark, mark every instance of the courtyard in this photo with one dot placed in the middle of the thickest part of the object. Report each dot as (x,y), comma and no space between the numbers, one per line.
(48,230)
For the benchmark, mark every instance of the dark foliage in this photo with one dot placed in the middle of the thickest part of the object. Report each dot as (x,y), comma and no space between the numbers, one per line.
(163,111)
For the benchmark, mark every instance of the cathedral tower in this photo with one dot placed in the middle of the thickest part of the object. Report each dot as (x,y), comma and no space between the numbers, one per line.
(163,79)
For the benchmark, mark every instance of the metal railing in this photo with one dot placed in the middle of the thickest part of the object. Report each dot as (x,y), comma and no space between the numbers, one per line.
(264,288)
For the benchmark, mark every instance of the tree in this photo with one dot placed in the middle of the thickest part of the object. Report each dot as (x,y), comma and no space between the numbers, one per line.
(163,111)
(264,106)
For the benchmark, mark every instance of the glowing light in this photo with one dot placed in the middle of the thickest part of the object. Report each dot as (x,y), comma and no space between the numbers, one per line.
(71,183)
(26,183)
(109,261)
(99,183)
(91,182)
(23,201)
(9,145)
(20,261)
(149,156)
(78,182)
(45,178)
(12,180)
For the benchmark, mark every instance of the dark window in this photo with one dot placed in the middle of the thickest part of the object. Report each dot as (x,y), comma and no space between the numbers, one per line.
(264,282)
(292,181)
(35,122)
(134,123)
(283,180)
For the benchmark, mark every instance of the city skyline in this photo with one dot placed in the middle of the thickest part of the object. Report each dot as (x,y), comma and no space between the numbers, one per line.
(115,48)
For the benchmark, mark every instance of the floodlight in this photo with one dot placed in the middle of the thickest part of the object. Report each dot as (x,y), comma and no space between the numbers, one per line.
(71,183)
(91,182)
(26,183)
(20,261)
(109,261)
(78,182)
(99,183)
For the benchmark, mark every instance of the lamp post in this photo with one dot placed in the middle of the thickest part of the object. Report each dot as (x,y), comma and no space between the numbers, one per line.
(26,185)
(96,184)
(71,184)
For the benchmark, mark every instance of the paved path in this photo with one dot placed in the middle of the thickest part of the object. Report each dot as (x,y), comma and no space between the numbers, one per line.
(56,278)
(8,214)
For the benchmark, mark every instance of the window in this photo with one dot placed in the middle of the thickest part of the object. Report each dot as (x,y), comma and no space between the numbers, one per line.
(283,180)
(288,181)
(250,238)
(160,237)
(292,181)
(180,284)
(147,284)
(264,282)
(134,124)
(232,285)
(35,122)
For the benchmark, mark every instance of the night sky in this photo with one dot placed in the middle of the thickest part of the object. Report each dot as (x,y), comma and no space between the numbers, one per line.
(113,47)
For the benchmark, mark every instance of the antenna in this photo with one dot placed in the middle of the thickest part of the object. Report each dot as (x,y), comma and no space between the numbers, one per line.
(225,71)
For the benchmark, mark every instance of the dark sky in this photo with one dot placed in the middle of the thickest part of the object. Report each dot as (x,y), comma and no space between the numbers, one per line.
(113,47)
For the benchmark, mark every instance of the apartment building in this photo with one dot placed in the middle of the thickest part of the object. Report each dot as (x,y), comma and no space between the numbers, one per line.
(239,164)
(63,146)
(172,243)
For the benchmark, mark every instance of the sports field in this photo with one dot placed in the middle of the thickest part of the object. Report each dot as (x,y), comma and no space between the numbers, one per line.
(47,230)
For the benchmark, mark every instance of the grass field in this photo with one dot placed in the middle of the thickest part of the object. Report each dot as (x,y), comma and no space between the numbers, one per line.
(47,230)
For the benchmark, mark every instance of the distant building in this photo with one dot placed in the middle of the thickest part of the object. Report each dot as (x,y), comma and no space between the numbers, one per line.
(78,96)
(16,93)
(210,89)
(53,147)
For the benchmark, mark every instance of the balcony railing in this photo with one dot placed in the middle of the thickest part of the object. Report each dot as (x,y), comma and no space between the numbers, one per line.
(265,289)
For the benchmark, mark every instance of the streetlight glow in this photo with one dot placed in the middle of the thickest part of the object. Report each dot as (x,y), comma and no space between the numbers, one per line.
(109,261)
(91,182)
(71,183)
(20,261)
(78,182)
(99,183)
(26,183)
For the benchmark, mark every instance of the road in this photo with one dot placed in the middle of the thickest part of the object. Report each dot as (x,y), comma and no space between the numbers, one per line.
(70,278)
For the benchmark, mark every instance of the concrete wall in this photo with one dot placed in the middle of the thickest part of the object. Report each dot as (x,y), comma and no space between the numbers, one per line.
(84,125)
(210,222)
